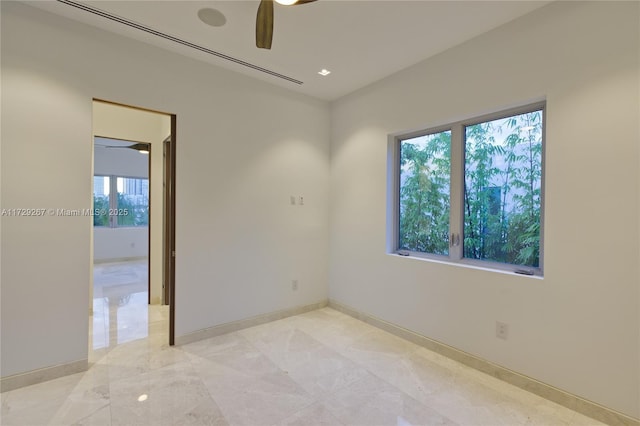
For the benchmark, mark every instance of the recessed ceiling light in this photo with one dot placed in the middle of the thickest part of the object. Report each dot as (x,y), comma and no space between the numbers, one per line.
(324,72)
(212,17)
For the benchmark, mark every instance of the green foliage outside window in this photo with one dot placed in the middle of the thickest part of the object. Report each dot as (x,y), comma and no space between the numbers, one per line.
(129,208)
(101,210)
(425,168)
(506,155)
(131,213)
(502,191)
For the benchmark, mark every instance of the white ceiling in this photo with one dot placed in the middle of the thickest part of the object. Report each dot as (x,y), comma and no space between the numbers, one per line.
(360,41)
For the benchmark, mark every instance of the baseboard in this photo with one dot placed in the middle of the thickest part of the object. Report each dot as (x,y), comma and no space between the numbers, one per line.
(566,399)
(40,375)
(120,259)
(246,323)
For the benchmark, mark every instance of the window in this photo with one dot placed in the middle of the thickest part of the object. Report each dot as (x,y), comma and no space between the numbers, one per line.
(471,191)
(425,174)
(120,201)
(101,203)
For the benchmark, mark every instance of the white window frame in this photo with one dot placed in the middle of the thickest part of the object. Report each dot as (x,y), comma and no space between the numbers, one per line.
(456,201)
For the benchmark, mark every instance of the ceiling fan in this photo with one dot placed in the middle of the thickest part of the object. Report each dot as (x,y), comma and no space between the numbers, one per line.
(142,148)
(264,20)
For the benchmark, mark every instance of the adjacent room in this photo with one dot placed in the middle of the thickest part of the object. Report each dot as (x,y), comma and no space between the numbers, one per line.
(129,235)
(354,212)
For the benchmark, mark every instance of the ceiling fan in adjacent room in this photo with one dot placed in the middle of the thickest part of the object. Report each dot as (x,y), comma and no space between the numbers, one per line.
(142,148)
(264,20)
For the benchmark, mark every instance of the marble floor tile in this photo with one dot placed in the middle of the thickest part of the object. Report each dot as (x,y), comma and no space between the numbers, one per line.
(334,332)
(120,303)
(247,399)
(101,417)
(226,343)
(318,368)
(231,351)
(372,401)
(139,357)
(413,374)
(286,347)
(314,415)
(324,372)
(89,396)
(173,395)
(37,404)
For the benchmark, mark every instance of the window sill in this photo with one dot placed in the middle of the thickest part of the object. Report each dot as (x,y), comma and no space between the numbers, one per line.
(466,264)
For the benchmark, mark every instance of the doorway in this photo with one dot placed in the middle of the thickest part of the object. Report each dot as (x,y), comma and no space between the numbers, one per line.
(121,237)
(134,225)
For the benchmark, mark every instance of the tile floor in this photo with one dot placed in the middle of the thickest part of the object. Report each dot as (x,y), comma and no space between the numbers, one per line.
(120,304)
(318,368)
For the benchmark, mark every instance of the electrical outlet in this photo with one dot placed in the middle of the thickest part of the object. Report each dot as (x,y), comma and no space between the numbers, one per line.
(301,200)
(502,330)
(294,285)
(292,200)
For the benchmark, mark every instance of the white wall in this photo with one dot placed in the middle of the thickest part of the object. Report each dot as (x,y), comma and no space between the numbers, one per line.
(578,328)
(136,125)
(243,147)
(113,244)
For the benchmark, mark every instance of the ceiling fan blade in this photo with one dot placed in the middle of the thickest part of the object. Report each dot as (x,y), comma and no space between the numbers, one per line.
(303,2)
(135,146)
(264,24)
(140,146)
